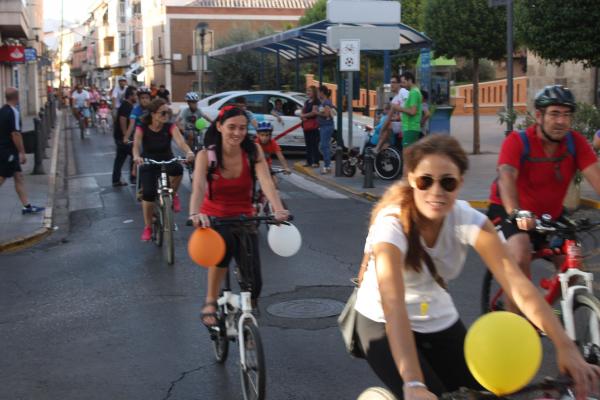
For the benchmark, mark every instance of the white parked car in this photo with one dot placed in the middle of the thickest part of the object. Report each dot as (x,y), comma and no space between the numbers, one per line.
(288,132)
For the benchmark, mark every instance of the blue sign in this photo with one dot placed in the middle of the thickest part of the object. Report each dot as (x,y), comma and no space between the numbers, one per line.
(426,70)
(30,54)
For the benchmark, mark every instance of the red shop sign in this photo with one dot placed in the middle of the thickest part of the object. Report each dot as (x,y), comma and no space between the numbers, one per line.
(12,54)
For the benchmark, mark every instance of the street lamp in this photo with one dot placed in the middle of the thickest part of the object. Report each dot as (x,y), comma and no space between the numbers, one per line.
(201,29)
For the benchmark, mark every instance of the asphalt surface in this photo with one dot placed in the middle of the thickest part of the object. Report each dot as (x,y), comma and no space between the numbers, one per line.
(94,313)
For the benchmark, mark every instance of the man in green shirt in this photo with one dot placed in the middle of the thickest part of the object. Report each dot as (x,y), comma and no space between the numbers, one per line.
(412,110)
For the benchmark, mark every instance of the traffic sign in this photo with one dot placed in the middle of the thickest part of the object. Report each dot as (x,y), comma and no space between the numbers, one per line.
(30,54)
(363,12)
(371,37)
(350,55)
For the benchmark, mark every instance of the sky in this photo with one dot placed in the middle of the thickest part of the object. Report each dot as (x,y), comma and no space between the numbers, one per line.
(75,10)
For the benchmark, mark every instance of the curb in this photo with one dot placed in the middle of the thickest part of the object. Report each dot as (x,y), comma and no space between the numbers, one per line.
(479,204)
(38,235)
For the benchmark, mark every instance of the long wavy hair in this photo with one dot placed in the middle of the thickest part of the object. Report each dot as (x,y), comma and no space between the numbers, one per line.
(213,136)
(402,194)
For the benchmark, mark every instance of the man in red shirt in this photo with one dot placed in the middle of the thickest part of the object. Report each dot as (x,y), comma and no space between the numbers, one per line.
(270,146)
(535,168)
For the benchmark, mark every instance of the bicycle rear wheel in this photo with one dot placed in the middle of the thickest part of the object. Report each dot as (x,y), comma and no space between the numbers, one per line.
(586,318)
(388,163)
(253,373)
(220,339)
(157,226)
(169,247)
(492,295)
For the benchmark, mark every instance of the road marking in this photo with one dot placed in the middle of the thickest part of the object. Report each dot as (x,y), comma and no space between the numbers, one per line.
(297,181)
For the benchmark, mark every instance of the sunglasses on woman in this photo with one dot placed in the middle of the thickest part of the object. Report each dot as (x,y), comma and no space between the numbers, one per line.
(448,183)
(164,113)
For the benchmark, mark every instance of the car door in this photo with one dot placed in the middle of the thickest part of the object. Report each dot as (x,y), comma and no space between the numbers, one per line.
(289,130)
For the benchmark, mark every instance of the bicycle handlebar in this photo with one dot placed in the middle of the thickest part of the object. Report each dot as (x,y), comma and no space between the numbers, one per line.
(171,161)
(559,384)
(242,219)
(279,171)
(547,225)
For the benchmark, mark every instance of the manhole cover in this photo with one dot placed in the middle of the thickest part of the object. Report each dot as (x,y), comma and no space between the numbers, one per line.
(306,308)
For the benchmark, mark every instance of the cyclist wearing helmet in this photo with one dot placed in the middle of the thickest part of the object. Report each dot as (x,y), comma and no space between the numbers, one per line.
(270,146)
(135,118)
(535,168)
(186,120)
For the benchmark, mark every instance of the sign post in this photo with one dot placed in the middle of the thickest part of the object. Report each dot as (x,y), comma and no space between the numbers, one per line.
(349,62)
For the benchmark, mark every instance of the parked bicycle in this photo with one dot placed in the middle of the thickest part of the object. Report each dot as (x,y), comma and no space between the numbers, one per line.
(163,225)
(387,162)
(579,307)
(235,318)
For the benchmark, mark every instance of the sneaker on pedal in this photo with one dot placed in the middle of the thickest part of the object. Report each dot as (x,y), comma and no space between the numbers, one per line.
(29,209)
(176,203)
(147,234)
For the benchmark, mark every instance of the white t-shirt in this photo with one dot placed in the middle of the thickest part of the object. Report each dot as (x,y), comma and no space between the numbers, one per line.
(430,308)
(118,93)
(79,99)
(399,99)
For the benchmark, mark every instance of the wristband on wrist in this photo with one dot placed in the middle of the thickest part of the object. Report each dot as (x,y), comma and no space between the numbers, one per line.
(415,384)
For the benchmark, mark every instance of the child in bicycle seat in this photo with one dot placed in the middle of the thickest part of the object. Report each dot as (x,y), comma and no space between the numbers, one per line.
(270,146)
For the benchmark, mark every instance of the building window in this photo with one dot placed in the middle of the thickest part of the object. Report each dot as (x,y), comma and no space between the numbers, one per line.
(123,10)
(137,8)
(109,44)
(105,18)
(122,45)
(159,47)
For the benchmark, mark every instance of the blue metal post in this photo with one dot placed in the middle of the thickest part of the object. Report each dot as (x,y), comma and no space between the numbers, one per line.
(297,83)
(277,73)
(320,64)
(387,67)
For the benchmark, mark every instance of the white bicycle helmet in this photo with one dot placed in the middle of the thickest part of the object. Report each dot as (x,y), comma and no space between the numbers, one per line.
(192,96)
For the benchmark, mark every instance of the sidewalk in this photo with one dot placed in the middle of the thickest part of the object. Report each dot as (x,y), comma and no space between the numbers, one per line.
(481,173)
(16,229)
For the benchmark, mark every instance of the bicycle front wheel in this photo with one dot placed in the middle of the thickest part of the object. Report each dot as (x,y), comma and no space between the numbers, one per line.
(220,339)
(168,227)
(586,319)
(81,129)
(157,226)
(388,163)
(253,372)
(492,295)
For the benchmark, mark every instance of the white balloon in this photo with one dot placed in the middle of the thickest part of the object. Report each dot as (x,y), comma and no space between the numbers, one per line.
(284,240)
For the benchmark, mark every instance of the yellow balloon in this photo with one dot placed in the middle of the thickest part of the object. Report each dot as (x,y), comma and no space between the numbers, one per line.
(503,352)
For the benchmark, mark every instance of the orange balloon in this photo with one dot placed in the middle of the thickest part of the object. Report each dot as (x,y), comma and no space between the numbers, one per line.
(206,247)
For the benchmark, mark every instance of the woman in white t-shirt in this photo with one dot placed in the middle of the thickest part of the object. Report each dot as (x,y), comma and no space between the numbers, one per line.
(407,323)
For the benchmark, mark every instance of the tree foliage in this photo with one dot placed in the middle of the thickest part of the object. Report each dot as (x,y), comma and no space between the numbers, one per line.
(314,14)
(470,29)
(242,71)
(560,31)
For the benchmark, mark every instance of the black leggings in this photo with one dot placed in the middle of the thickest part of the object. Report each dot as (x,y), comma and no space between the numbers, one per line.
(440,355)
(149,176)
(240,239)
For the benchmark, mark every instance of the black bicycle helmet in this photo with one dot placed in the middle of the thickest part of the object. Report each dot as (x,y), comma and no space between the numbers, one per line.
(555,95)
(144,90)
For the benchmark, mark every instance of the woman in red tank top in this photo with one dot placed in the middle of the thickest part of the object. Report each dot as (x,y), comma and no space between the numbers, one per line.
(229,194)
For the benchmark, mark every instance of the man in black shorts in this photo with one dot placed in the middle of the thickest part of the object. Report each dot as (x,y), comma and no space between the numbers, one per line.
(12,151)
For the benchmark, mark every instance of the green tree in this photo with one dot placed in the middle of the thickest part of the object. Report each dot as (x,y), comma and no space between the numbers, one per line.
(242,71)
(470,29)
(314,14)
(413,13)
(560,31)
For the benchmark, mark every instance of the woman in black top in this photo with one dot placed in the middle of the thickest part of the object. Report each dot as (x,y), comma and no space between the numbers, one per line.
(310,126)
(154,136)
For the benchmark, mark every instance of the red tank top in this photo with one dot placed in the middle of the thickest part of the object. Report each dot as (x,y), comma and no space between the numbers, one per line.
(230,197)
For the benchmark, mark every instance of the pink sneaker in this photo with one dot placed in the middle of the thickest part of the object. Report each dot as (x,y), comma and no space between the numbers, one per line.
(176,203)
(147,233)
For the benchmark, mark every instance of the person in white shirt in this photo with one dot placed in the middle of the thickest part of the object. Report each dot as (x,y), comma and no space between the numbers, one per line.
(401,94)
(407,324)
(80,101)
(118,92)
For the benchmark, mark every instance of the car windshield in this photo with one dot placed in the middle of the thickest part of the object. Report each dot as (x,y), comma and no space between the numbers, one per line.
(300,97)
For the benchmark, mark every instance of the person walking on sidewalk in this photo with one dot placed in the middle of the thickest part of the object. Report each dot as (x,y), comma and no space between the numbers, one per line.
(412,110)
(12,150)
(122,140)
(325,118)
(310,126)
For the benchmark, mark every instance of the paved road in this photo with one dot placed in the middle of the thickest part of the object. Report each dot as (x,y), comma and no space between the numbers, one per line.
(94,313)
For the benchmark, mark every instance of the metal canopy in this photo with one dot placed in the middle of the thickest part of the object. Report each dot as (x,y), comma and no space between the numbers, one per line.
(311,41)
